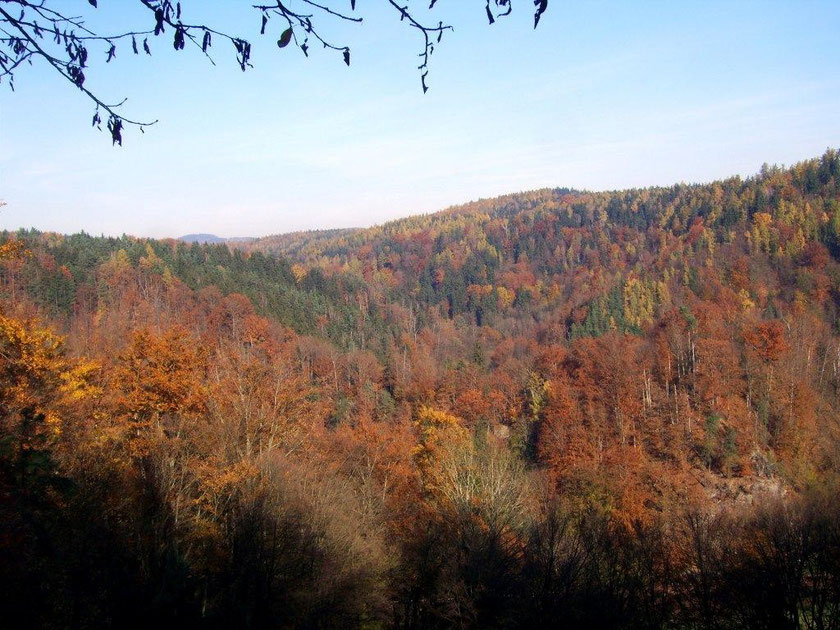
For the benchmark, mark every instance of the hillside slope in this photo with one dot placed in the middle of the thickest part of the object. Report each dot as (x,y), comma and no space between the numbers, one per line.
(551,403)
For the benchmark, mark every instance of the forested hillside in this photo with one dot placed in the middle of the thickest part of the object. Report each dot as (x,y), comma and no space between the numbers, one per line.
(619,409)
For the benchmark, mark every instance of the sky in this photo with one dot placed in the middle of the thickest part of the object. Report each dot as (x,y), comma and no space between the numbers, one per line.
(602,95)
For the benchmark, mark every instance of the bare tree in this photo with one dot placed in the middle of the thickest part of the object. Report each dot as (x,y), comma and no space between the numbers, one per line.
(47,31)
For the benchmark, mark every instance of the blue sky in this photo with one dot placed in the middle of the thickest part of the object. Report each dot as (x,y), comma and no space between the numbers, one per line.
(602,95)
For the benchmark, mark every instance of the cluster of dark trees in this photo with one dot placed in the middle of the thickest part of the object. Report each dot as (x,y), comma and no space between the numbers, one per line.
(80,561)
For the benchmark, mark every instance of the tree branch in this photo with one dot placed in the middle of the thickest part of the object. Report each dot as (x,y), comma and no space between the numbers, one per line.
(26,39)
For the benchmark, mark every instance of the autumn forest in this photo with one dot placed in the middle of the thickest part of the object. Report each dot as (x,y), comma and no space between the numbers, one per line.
(553,408)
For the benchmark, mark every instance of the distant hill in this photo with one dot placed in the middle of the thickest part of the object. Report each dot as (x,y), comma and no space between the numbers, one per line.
(302,245)
(213,239)
(627,401)
(201,238)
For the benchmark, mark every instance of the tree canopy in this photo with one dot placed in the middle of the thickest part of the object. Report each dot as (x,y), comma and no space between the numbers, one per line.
(618,409)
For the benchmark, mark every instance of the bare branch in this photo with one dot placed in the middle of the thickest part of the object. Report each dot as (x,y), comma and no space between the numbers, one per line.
(62,40)
(60,67)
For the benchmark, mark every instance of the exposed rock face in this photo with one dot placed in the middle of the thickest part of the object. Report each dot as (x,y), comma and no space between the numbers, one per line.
(743,491)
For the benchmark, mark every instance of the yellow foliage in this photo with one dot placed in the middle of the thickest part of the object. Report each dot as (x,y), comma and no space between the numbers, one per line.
(299,272)
(478,291)
(161,374)
(119,261)
(506,297)
(800,302)
(31,362)
(435,429)
(663,293)
(639,302)
(151,261)
(77,382)
(168,277)
(760,234)
(797,244)
(746,301)
(13,250)
(762,219)
(36,379)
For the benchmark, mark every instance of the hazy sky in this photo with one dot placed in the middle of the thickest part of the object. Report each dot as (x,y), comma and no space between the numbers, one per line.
(602,95)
